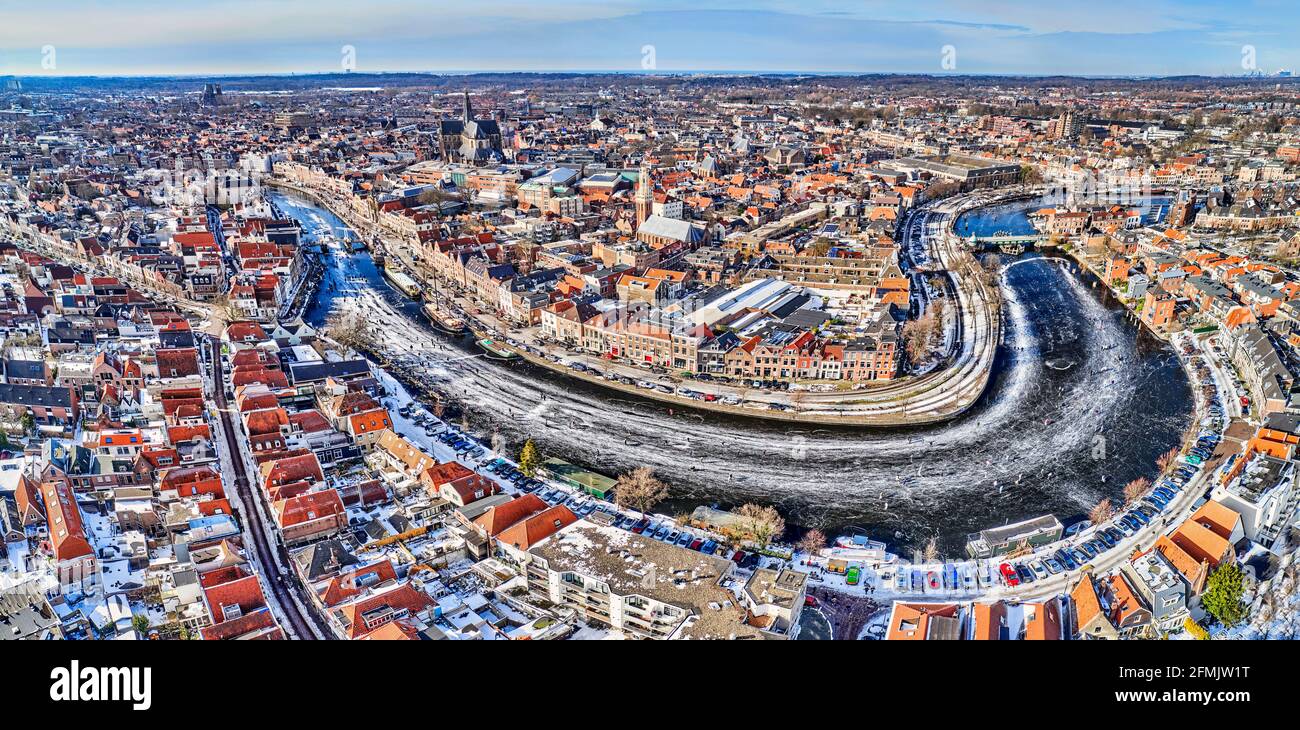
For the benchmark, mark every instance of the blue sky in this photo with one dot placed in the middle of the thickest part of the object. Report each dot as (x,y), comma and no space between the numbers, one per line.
(1097,37)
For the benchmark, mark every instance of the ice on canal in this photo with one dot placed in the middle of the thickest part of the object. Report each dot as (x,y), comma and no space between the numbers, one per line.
(1043,439)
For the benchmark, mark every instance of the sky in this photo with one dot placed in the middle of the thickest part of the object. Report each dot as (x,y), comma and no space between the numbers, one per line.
(1037,37)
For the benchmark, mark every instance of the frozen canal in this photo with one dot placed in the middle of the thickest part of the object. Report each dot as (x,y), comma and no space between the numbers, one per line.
(1080,403)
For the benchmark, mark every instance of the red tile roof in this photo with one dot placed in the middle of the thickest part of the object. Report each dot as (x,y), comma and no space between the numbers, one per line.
(245,592)
(63,516)
(501,516)
(347,585)
(402,598)
(529,531)
(308,507)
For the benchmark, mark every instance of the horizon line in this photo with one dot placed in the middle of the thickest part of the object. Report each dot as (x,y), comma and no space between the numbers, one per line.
(639,72)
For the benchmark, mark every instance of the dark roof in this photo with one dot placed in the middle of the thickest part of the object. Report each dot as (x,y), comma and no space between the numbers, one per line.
(482,128)
(27,369)
(174,340)
(324,558)
(793,305)
(806,318)
(312,372)
(67,333)
(35,395)
(1284,422)
(22,615)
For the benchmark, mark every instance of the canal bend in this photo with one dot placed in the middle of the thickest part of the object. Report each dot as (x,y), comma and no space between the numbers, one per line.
(1080,402)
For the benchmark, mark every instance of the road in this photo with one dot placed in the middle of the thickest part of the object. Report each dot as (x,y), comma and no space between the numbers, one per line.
(266,551)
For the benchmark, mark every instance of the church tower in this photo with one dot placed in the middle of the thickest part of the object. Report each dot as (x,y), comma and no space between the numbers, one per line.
(466,114)
(644,196)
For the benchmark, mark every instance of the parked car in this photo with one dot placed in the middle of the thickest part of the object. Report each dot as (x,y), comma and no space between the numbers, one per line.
(1026,575)
(968,578)
(1066,559)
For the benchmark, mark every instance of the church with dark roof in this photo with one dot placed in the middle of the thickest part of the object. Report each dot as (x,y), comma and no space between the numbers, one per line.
(468,139)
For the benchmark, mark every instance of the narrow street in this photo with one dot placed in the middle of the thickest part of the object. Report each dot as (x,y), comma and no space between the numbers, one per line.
(268,565)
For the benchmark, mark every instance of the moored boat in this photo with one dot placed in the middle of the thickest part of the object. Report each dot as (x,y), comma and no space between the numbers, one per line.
(442,320)
(496,350)
(402,281)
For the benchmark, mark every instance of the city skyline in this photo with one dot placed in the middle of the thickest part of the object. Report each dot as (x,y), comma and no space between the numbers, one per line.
(144,38)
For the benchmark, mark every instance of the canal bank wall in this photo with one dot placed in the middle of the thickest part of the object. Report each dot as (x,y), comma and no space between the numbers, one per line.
(846,419)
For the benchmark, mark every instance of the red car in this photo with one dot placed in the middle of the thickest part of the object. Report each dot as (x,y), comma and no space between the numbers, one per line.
(739,556)
(810,601)
(1009,574)
(696,543)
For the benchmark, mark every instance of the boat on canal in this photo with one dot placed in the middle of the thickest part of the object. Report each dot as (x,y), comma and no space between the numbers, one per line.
(495,350)
(442,320)
(401,280)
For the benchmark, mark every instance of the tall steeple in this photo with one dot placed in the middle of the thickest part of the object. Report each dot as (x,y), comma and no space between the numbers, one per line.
(466,114)
(644,195)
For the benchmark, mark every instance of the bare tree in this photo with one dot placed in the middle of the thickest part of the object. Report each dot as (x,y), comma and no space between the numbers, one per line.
(1101,512)
(1134,490)
(1167,458)
(937,308)
(351,330)
(431,196)
(812,542)
(761,524)
(920,336)
(797,398)
(991,268)
(930,553)
(639,490)
(225,310)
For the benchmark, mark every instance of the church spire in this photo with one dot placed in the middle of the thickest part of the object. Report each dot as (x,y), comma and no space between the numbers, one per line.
(466,114)
(644,195)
